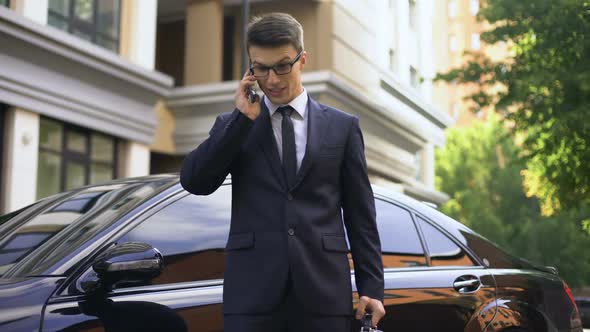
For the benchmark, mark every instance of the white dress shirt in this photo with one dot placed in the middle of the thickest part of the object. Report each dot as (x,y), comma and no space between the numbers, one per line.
(299,119)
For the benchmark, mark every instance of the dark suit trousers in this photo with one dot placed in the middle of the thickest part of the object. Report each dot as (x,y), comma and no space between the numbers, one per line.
(289,316)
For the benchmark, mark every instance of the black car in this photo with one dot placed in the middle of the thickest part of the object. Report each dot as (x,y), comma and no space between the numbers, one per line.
(143,254)
(584,307)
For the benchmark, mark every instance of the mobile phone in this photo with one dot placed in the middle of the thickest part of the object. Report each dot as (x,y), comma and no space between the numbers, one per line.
(252,96)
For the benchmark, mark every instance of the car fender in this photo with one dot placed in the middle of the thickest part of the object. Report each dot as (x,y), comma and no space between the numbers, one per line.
(512,313)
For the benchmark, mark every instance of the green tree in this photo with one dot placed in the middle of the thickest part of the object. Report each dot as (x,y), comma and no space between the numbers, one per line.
(480,168)
(544,91)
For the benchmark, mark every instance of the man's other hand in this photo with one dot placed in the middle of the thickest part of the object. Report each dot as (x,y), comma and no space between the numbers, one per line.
(375,307)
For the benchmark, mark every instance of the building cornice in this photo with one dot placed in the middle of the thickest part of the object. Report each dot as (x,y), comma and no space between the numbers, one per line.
(392,138)
(48,71)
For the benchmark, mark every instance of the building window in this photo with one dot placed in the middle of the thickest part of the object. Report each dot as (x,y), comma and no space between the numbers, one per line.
(413,15)
(70,157)
(453,47)
(474,7)
(453,8)
(5,3)
(414,78)
(229,25)
(392,59)
(93,20)
(475,44)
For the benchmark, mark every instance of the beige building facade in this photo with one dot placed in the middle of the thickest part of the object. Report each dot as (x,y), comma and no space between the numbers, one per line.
(458,31)
(102,89)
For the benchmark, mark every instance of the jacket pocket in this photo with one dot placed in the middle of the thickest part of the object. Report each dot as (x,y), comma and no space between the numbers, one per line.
(335,243)
(240,241)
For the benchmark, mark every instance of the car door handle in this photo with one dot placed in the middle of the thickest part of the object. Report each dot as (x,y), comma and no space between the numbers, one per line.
(466,284)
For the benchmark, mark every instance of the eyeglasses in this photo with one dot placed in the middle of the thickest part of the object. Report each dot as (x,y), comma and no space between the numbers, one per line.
(260,71)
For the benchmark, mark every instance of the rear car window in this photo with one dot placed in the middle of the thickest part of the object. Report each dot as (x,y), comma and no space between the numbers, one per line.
(443,251)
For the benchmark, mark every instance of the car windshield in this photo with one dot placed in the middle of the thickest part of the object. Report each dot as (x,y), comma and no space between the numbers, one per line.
(34,238)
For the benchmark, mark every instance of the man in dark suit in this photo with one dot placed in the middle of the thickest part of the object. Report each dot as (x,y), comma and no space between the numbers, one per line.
(298,170)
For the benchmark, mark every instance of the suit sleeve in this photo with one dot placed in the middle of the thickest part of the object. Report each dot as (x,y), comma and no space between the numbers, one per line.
(358,206)
(205,168)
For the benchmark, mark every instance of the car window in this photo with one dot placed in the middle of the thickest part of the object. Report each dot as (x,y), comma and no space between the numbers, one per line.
(443,251)
(400,242)
(191,234)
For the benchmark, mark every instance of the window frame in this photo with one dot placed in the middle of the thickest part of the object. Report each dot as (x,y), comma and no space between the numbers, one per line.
(418,231)
(90,29)
(414,215)
(85,159)
(477,262)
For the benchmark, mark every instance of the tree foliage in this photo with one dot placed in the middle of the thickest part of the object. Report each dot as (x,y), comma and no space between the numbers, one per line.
(544,94)
(480,169)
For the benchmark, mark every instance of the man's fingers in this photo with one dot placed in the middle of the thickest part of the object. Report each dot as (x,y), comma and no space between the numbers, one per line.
(378,312)
(360,311)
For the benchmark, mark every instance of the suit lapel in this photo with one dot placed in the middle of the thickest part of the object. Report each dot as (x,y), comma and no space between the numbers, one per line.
(268,143)
(317,125)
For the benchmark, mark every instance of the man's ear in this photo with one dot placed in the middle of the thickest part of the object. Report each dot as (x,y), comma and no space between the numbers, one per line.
(303,59)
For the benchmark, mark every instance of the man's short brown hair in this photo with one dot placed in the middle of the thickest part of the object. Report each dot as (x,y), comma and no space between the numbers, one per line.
(274,30)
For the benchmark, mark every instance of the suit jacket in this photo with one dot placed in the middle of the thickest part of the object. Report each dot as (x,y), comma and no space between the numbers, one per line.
(276,231)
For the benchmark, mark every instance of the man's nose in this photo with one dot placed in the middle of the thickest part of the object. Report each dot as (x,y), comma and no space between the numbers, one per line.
(272,77)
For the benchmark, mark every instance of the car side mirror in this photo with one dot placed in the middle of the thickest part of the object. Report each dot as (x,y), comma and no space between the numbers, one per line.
(127,263)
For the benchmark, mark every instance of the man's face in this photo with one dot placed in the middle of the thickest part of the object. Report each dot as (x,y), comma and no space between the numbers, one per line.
(280,89)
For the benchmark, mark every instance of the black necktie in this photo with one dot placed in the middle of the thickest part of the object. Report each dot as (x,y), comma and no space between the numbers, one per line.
(289,152)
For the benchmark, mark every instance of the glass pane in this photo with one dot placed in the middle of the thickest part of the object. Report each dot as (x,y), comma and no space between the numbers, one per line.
(75,175)
(50,134)
(102,148)
(443,251)
(196,229)
(107,43)
(48,174)
(76,141)
(61,7)
(109,18)
(82,34)
(100,173)
(400,242)
(57,22)
(83,10)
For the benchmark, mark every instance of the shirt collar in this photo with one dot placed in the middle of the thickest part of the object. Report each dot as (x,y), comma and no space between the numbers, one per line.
(299,104)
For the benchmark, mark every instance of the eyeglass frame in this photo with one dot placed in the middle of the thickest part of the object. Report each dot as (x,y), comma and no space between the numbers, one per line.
(273,67)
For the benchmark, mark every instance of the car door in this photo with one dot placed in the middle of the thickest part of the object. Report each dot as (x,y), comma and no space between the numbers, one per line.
(191,234)
(431,283)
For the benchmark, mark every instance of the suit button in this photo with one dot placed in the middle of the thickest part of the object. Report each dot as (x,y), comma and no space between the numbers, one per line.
(291,231)
(289,197)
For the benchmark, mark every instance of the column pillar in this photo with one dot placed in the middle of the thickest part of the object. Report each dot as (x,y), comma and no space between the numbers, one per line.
(428,165)
(21,153)
(134,160)
(138,32)
(36,10)
(204,42)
